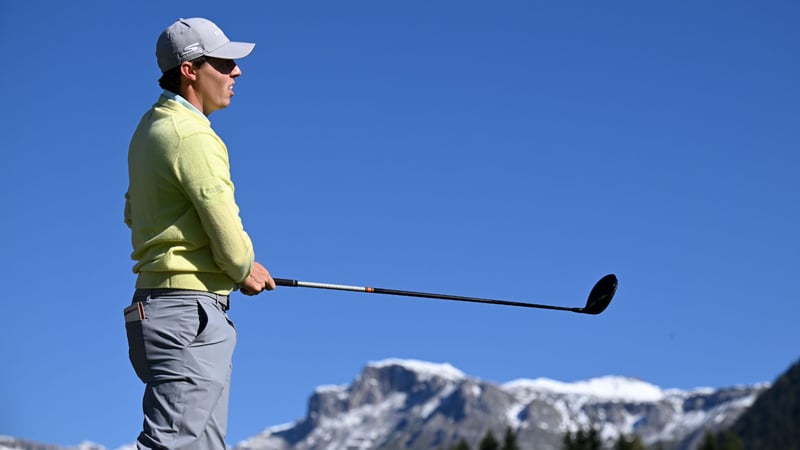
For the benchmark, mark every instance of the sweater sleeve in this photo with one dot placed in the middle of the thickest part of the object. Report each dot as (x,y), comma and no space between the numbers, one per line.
(203,170)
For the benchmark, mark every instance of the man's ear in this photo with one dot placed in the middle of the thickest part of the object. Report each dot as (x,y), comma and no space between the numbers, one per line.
(188,70)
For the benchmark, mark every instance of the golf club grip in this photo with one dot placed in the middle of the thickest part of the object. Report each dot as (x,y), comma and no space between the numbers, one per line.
(316,285)
(285,282)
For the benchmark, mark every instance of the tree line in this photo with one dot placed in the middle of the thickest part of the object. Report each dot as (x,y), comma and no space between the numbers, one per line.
(590,440)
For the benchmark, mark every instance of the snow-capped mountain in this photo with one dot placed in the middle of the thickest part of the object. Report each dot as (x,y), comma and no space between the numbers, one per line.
(405,404)
(10,443)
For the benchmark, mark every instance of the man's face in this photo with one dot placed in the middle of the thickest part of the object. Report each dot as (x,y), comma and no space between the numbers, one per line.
(214,84)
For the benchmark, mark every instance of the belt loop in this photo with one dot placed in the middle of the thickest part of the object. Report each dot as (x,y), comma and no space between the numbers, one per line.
(224,301)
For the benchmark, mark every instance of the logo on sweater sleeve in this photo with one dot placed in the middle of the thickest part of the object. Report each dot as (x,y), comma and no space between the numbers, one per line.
(213,190)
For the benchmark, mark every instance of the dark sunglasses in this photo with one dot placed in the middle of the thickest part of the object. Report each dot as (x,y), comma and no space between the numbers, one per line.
(223,66)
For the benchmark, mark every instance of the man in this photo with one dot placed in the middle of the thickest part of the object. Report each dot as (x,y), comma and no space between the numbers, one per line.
(189,244)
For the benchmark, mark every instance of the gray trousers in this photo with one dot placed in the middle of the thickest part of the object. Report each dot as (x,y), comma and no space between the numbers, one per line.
(180,345)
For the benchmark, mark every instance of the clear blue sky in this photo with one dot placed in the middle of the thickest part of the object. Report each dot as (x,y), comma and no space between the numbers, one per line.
(514,150)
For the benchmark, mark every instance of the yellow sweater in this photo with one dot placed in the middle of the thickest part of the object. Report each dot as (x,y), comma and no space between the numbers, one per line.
(185,225)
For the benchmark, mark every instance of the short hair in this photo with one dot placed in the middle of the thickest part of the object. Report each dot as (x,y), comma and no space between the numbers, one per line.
(171,79)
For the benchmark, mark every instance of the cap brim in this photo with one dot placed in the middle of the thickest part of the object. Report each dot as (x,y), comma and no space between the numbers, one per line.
(232,50)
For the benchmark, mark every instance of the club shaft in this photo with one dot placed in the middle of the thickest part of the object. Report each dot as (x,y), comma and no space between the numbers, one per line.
(375,290)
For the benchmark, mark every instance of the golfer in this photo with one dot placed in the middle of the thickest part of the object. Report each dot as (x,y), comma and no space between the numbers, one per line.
(189,246)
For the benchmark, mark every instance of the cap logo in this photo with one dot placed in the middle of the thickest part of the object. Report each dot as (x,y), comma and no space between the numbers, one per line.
(189,49)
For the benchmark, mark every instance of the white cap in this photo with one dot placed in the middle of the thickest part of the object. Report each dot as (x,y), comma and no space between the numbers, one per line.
(188,39)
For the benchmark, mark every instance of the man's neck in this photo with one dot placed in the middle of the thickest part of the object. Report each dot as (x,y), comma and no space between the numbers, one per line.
(194,99)
(183,101)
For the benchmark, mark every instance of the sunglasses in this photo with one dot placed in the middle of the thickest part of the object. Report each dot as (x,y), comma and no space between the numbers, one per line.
(223,66)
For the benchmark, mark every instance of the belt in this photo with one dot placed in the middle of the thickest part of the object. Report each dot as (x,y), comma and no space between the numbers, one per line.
(222,300)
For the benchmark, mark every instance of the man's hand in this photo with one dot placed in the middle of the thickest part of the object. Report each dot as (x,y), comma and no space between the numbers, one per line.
(258,280)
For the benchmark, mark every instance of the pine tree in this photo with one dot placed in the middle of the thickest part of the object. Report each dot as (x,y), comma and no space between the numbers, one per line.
(461,445)
(583,440)
(568,441)
(510,440)
(709,442)
(489,442)
(635,443)
(593,440)
(731,442)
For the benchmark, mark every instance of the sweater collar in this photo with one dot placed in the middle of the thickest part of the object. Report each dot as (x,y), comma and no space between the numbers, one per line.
(173,96)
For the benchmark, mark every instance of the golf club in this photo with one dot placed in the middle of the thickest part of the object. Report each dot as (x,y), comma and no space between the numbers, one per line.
(599,297)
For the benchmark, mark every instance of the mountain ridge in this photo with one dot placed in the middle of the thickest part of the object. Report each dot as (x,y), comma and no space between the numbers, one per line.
(398,404)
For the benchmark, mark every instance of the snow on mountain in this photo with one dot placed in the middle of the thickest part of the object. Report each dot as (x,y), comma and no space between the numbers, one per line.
(409,404)
(424,369)
(682,413)
(11,443)
(605,388)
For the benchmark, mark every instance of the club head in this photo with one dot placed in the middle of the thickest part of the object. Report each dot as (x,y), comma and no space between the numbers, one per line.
(601,295)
